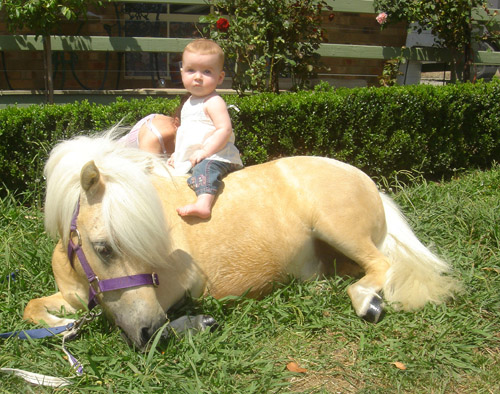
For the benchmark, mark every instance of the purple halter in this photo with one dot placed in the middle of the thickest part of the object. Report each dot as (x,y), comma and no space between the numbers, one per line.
(96,285)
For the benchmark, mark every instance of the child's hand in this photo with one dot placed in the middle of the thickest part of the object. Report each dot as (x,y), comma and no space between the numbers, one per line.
(170,161)
(198,156)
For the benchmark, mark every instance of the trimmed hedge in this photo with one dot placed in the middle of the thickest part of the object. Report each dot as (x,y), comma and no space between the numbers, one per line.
(380,130)
(435,130)
(29,133)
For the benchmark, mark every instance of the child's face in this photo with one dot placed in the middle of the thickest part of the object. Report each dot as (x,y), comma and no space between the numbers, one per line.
(201,74)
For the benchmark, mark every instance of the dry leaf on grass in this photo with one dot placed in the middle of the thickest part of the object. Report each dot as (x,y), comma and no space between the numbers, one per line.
(399,365)
(491,269)
(292,366)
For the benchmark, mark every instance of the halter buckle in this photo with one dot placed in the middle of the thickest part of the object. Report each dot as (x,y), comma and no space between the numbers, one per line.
(95,285)
(156,280)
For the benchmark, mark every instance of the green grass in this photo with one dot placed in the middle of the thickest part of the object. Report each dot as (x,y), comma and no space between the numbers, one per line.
(451,348)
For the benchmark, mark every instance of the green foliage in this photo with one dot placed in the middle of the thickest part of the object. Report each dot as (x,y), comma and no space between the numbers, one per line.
(451,348)
(434,129)
(451,21)
(265,39)
(43,16)
(391,71)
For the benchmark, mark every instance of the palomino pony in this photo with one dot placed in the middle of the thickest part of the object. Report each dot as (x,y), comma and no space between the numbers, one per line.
(299,216)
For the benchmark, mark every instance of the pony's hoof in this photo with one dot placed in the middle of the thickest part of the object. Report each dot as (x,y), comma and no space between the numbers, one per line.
(375,311)
(208,322)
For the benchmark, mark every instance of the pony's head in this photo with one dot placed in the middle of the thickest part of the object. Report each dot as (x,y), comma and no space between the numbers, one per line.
(120,222)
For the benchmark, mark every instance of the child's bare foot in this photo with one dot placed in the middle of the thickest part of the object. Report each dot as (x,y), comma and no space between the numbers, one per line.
(202,208)
(193,210)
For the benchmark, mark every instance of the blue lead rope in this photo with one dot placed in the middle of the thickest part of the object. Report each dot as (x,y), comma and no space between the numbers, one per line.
(71,329)
(37,333)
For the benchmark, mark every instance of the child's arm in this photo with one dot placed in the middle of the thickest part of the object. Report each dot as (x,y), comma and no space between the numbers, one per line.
(167,128)
(216,109)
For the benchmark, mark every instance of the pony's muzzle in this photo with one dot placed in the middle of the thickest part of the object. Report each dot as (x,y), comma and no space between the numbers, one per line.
(139,335)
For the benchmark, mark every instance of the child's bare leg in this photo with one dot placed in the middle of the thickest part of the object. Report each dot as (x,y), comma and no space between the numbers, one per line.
(202,208)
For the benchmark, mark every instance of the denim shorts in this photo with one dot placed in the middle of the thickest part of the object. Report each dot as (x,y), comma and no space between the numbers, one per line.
(207,175)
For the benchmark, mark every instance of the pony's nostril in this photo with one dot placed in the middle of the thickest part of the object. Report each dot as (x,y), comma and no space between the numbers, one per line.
(146,333)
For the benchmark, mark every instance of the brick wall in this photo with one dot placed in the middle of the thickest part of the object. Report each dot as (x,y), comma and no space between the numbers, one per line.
(358,29)
(21,70)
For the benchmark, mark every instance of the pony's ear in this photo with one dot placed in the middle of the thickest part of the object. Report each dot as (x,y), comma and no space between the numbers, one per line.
(89,177)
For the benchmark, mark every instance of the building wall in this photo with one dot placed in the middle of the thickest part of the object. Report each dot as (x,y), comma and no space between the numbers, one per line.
(20,70)
(358,29)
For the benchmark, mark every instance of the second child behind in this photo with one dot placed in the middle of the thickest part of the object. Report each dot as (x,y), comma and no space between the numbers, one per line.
(204,142)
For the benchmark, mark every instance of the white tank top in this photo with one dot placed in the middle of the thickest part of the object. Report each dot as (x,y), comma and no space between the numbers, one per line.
(196,127)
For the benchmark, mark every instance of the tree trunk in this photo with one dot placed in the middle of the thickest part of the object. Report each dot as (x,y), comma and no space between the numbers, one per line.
(468,57)
(468,60)
(47,57)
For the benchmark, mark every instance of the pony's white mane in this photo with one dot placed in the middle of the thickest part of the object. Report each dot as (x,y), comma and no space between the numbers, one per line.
(131,209)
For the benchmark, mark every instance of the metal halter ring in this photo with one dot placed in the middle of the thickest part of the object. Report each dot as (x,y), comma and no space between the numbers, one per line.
(74,232)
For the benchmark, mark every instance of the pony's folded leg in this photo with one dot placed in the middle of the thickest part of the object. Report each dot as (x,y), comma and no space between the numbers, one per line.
(366,293)
(39,310)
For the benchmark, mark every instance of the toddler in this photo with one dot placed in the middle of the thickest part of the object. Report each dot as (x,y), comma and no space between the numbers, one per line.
(204,144)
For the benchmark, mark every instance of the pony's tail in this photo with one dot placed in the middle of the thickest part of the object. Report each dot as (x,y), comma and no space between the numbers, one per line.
(416,275)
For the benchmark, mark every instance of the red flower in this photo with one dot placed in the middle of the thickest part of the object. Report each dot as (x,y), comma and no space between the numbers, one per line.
(222,25)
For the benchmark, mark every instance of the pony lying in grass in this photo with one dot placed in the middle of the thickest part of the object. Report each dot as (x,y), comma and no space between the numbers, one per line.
(299,216)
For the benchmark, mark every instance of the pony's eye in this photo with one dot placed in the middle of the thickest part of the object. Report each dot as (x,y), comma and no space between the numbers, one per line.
(104,250)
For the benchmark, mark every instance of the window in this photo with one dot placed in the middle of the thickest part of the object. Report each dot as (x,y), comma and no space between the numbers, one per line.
(160,20)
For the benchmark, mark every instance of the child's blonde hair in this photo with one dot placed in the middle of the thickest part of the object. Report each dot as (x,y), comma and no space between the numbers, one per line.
(204,46)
